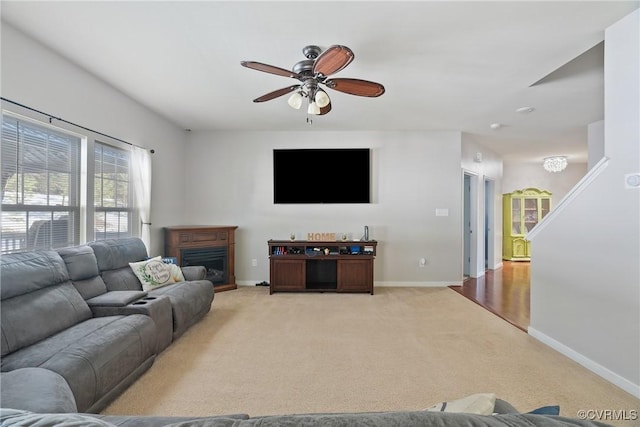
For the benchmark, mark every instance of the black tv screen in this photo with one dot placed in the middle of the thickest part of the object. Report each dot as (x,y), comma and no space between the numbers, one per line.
(323,175)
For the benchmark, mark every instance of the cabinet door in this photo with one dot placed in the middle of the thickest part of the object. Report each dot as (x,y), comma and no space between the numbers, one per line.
(520,248)
(516,216)
(355,275)
(545,207)
(287,275)
(531,212)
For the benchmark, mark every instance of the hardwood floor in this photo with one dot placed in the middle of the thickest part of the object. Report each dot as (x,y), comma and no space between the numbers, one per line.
(504,292)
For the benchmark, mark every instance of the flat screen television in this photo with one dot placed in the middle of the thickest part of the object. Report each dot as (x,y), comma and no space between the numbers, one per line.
(322,175)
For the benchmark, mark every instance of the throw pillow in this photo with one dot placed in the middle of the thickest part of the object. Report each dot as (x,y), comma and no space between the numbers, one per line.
(152,273)
(480,403)
(176,272)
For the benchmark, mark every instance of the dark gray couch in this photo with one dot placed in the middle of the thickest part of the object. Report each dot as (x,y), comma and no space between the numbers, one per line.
(71,344)
(190,300)
(377,419)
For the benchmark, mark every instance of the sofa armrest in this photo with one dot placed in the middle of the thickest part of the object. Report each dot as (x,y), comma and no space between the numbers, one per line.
(115,298)
(194,272)
(36,390)
(504,407)
(158,307)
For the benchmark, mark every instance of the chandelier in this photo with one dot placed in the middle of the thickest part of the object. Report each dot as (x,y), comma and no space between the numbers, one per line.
(555,163)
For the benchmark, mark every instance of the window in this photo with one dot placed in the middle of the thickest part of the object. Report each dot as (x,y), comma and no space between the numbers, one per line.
(112,193)
(40,186)
(55,194)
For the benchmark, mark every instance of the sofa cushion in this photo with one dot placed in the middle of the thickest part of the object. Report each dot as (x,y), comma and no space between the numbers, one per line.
(117,253)
(33,285)
(173,421)
(37,390)
(26,272)
(414,419)
(83,270)
(12,417)
(113,258)
(94,356)
(190,301)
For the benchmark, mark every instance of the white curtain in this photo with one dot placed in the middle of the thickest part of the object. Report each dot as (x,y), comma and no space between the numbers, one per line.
(141,174)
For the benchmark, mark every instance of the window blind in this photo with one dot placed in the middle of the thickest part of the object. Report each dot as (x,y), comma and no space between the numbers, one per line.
(112,192)
(40,170)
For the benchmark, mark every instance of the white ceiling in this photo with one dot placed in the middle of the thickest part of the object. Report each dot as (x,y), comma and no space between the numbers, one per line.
(446,65)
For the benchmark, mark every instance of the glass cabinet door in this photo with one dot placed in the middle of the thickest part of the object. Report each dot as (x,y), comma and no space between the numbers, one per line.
(545,207)
(516,216)
(530,213)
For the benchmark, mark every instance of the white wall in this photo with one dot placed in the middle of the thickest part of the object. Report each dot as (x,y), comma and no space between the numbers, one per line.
(488,169)
(521,175)
(585,276)
(595,132)
(35,76)
(230,178)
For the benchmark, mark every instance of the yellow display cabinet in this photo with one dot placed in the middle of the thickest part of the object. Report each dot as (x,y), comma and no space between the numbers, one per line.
(521,211)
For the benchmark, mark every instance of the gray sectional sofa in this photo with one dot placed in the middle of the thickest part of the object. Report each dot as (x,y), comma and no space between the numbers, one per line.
(508,418)
(77,328)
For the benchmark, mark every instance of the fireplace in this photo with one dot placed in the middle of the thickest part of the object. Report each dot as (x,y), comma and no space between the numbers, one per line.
(214,259)
(211,246)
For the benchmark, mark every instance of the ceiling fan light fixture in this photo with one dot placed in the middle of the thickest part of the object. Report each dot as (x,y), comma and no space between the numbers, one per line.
(313,108)
(295,100)
(322,99)
(313,72)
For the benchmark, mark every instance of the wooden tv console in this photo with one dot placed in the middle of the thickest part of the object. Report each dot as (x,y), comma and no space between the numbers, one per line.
(321,266)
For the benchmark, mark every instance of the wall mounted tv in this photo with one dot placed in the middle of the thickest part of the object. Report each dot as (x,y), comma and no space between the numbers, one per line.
(322,175)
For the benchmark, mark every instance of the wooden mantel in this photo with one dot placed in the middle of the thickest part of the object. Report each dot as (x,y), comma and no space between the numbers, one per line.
(184,237)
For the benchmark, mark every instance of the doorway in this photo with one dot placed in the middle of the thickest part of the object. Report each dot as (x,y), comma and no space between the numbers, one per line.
(470,253)
(489,225)
(466,228)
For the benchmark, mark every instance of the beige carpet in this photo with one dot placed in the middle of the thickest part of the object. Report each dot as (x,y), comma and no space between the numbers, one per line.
(402,348)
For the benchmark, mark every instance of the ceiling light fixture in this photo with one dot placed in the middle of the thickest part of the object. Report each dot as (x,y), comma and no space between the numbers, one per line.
(555,163)
(314,108)
(322,99)
(295,100)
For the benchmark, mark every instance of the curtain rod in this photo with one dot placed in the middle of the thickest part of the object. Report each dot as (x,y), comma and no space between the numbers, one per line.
(52,117)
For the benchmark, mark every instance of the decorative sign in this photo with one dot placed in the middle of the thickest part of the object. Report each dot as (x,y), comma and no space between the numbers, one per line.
(321,236)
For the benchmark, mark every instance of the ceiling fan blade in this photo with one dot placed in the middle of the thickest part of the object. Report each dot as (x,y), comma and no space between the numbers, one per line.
(324,110)
(332,60)
(269,69)
(276,93)
(356,87)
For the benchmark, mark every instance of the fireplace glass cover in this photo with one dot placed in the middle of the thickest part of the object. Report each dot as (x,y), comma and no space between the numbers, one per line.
(214,259)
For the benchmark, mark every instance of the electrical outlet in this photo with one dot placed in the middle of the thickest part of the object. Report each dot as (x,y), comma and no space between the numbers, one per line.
(254,262)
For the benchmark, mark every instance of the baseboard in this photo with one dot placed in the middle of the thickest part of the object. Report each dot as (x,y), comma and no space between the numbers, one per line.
(248,282)
(497,266)
(416,284)
(612,377)
(376,284)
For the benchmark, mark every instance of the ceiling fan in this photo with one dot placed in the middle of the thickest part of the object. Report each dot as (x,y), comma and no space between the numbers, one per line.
(314,71)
